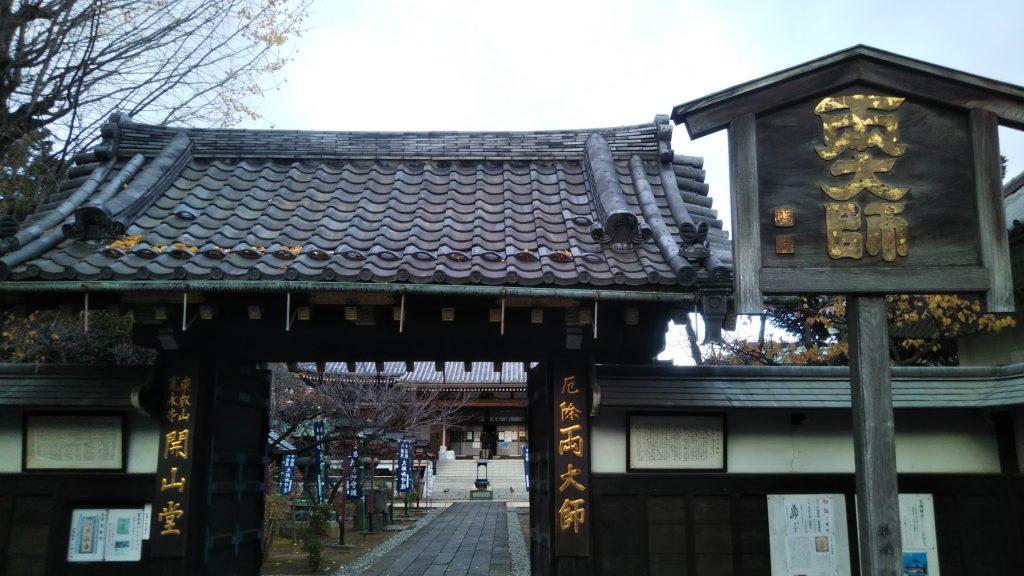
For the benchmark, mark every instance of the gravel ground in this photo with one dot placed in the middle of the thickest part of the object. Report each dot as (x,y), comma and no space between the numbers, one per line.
(517,549)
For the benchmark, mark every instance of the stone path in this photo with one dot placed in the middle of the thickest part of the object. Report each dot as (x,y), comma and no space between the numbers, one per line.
(466,539)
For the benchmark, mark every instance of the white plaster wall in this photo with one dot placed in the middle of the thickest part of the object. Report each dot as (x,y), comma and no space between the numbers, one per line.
(143,442)
(765,442)
(993,348)
(10,442)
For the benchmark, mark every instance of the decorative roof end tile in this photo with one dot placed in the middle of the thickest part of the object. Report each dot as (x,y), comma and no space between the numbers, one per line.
(617,222)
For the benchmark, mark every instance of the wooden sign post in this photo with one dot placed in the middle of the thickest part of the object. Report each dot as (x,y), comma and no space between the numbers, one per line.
(864,173)
(874,437)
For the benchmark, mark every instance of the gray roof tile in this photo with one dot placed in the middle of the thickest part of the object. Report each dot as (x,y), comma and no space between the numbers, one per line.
(488,208)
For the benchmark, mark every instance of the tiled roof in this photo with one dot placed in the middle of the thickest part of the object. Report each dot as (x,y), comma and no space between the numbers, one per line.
(803,387)
(1013,200)
(585,208)
(55,386)
(479,374)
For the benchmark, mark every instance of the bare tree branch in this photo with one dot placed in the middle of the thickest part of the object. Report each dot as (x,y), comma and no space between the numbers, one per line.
(362,406)
(66,65)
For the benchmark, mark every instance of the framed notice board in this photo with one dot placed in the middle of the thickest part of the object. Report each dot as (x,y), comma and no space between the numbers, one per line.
(60,442)
(676,442)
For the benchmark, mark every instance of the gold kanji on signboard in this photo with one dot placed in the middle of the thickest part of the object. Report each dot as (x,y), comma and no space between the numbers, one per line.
(860,125)
(173,482)
(571,442)
(572,514)
(176,444)
(169,516)
(569,411)
(569,479)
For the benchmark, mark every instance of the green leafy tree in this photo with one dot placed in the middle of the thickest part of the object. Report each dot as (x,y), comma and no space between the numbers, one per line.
(316,531)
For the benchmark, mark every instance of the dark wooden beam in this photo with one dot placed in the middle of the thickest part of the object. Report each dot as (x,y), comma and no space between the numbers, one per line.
(747,229)
(995,251)
(327,335)
(1006,442)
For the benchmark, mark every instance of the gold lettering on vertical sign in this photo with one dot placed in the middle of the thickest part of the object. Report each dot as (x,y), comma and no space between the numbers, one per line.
(570,461)
(572,514)
(173,483)
(569,411)
(179,399)
(571,442)
(169,516)
(174,464)
(176,444)
(569,479)
(855,128)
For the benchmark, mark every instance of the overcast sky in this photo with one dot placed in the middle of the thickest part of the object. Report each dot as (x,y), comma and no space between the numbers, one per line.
(522,65)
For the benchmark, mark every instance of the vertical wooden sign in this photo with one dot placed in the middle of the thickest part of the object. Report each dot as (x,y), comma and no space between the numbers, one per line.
(174,470)
(571,450)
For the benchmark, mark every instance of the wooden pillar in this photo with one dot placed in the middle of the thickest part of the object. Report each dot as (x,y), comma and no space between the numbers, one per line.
(239,423)
(874,438)
(538,386)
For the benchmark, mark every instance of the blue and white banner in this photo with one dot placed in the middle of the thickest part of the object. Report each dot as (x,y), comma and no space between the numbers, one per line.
(404,471)
(353,486)
(318,460)
(526,465)
(287,472)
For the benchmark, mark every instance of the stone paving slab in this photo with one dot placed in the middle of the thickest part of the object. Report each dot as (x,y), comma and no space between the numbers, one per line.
(466,539)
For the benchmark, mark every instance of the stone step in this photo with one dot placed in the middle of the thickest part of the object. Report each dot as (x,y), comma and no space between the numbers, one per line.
(458,477)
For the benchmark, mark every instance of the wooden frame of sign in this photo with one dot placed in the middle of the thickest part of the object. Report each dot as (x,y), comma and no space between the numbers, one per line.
(869,173)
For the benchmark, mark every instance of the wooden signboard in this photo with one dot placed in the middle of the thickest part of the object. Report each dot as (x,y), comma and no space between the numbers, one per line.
(62,442)
(865,172)
(174,470)
(571,461)
(863,186)
(663,443)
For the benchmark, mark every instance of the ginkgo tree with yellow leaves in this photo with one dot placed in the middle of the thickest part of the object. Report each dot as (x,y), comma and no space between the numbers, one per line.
(924,330)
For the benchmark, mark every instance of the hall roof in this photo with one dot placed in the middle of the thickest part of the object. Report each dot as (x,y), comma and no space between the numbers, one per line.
(596,208)
(448,375)
(1013,198)
(802,387)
